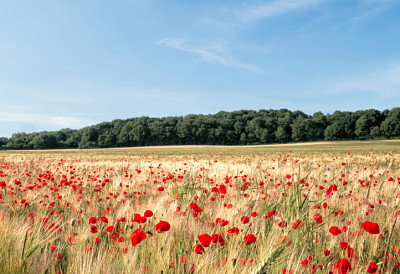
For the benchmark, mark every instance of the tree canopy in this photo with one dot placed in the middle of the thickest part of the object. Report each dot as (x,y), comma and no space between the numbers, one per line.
(244,127)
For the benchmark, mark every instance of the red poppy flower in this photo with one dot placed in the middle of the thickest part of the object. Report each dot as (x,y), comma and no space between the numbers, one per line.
(138,236)
(371,228)
(296,224)
(92,220)
(254,214)
(334,230)
(282,223)
(270,214)
(233,230)
(318,218)
(249,239)
(221,221)
(205,240)
(217,238)
(136,218)
(372,267)
(344,245)
(93,229)
(110,229)
(199,249)
(148,213)
(244,219)
(104,219)
(162,226)
(343,266)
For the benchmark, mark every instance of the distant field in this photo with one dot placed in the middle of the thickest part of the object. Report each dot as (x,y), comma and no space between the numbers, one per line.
(311,147)
(329,207)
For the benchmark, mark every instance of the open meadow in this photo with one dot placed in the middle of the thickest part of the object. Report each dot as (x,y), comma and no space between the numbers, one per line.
(328,207)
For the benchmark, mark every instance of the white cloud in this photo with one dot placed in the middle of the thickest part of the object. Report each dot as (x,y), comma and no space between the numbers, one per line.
(216,53)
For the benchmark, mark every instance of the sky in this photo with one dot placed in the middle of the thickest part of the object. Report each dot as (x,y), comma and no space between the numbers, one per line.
(71,64)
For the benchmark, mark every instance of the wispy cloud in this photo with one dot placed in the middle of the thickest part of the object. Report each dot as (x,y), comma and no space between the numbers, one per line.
(273,8)
(211,54)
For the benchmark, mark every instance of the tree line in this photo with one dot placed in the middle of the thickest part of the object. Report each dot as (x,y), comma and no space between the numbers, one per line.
(244,127)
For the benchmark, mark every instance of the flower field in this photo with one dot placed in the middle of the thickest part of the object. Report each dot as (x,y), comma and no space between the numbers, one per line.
(206,211)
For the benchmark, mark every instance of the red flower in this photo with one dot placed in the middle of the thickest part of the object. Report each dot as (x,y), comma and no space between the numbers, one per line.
(233,230)
(148,213)
(254,214)
(371,228)
(93,229)
(334,230)
(110,228)
(343,266)
(104,219)
(327,252)
(344,245)
(136,218)
(244,219)
(270,214)
(92,220)
(282,223)
(249,239)
(162,226)
(318,218)
(217,238)
(221,221)
(199,249)
(296,224)
(205,240)
(372,267)
(138,236)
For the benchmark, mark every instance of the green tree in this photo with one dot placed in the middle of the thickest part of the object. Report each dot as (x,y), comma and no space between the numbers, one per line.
(390,127)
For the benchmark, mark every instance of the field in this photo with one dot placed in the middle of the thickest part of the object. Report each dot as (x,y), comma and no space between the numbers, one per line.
(305,208)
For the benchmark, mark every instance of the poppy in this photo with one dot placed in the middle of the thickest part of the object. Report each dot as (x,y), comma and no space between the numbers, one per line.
(343,266)
(372,267)
(162,226)
(282,223)
(104,219)
(270,214)
(205,240)
(233,230)
(93,229)
(199,249)
(244,219)
(92,220)
(148,213)
(138,236)
(249,239)
(344,245)
(296,224)
(371,228)
(318,218)
(334,230)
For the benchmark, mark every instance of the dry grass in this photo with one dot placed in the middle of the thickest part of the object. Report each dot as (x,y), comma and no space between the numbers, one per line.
(188,175)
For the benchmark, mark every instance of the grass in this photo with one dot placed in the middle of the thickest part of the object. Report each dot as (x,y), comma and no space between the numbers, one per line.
(69,186)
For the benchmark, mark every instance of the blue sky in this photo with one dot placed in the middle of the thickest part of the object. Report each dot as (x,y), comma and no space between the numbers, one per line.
(77,63)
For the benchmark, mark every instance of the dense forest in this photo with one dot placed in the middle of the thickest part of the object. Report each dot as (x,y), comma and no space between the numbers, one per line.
(244,127)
